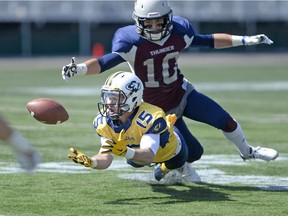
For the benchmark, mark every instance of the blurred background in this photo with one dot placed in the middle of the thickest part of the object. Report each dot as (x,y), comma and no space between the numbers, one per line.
(55,28)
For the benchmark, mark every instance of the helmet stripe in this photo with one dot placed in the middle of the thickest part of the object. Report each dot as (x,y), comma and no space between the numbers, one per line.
(109,80)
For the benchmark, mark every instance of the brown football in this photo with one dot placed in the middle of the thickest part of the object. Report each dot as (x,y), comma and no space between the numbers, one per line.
(47,111)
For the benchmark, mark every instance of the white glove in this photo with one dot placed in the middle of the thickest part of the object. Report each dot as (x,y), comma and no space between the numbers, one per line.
(69,70)
(256,39)
(72,69)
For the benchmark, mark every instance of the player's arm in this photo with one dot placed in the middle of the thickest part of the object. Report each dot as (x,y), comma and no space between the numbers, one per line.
(150,142)
(91,66)
(98,161)
(102,161)
(226,40)
(143,156)
(149,146)
(221,40)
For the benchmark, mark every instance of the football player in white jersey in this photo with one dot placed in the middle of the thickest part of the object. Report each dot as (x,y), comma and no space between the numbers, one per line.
(26,155)
(136,130)
(151,48)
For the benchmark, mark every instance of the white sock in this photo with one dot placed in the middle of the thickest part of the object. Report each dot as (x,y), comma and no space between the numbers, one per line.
(238,138)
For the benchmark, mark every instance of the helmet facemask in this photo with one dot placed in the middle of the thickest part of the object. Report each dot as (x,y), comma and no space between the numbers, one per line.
(113,104)
(153,9)
(159,34)
(154,35)
(121,93)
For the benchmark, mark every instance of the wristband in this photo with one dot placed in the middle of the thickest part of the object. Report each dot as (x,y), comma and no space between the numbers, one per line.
(238,40)
(82,68)
(130,153)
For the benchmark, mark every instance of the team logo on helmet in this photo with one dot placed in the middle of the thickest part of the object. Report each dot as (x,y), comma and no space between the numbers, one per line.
(133,86)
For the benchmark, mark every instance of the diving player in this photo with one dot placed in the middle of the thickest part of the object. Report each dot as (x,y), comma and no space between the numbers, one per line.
(136,130)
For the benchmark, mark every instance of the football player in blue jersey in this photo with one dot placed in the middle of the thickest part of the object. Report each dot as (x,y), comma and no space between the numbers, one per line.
(151,48)
(136,130)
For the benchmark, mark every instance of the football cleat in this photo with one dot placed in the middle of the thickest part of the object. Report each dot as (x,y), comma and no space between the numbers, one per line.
(188,173)
(266,154)
(159,173)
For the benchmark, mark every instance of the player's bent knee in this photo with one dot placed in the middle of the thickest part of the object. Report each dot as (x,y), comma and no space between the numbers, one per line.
(195,156)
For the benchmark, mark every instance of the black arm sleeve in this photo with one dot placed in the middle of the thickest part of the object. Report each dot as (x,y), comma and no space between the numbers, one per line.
(202,40)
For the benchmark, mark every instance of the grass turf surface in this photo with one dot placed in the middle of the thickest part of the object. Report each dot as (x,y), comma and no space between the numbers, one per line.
(262,114)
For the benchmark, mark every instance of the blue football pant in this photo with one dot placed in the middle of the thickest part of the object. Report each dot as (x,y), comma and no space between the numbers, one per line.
(203,109)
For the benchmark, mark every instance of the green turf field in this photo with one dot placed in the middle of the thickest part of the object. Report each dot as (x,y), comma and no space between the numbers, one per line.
(253,89)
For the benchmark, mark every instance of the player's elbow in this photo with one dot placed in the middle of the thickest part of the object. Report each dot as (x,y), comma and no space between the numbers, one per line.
(148,159)
(147,163)
(144,157)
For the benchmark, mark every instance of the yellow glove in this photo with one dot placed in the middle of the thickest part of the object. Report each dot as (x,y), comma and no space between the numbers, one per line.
(171,119)
(118,148)
(80,158)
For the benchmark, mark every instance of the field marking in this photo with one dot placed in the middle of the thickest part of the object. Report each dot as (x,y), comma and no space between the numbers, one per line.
(204,168)
(92,91)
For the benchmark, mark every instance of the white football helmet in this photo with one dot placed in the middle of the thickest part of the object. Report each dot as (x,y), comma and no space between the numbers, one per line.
(126,89)
(151,9)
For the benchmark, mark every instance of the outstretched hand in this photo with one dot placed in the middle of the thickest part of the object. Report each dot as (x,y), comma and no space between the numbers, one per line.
(80,158)
(69,70)
(257,39)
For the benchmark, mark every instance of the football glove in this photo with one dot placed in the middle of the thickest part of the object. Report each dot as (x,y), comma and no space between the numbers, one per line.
(80,158)
(171,119)
(69,70)
(256,39)
(117,148)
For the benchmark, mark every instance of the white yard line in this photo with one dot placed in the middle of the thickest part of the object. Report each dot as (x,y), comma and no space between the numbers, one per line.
(94,91)
(204,168)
